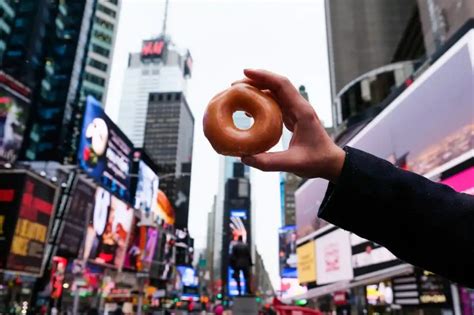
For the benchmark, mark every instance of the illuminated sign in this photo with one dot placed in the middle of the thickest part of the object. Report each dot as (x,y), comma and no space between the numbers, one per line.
(153,48)
(14,110)
(105,153)
(287,252)
(26,207)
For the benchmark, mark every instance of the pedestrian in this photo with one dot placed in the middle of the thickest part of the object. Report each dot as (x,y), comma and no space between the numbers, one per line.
(218,309)
(118,309)
(422,222)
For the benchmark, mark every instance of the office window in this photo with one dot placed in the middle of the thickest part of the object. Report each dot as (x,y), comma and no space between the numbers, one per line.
(100,50)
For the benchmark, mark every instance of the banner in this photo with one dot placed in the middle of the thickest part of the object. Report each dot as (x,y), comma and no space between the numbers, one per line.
(287,252)
(333,257)
(306,262)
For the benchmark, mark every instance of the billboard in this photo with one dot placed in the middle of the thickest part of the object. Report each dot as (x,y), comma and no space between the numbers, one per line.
(108,230)
(26,210)
(287,252)
(78,212)
(333,257)
(306,254)
(368,256)
(146,195)
(462,182)
(239,225)
(426,128)
(14,108)
(105,153)
(141,247)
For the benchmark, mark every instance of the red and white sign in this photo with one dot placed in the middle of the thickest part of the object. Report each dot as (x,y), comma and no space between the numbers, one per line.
(333,257)
(153,48)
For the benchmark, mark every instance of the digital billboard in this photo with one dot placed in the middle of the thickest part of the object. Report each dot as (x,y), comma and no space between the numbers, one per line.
(141,247)
(14,109)
(287,252)
(239,226)
(105,153)
(108,230)
(146,195)
(79,210)
(462,182)
(427,127)
(26,209)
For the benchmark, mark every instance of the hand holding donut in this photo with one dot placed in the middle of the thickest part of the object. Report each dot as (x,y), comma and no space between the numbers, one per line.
(311,153)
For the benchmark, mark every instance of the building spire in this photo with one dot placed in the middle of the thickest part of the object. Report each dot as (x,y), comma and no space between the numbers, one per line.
(165,20)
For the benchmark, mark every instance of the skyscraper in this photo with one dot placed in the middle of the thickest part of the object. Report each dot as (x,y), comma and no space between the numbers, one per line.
(168,138)
(161,67)
(98,63)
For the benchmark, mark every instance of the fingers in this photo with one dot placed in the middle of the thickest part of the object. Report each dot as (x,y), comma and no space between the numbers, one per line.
(271,161)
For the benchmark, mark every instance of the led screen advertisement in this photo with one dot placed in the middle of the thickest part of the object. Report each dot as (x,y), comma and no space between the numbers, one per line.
(108,230)
(26,209)
(146,195)
(13,118)
(287,252)
(462,182)
(239,226)
(105,153)
(77,213)
(141,248)
(428,126)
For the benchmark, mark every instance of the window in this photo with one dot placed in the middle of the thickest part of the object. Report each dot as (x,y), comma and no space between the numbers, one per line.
(104,23)
(103,37)
(98,65)
(100,50)
(114,2)
(94,79)
(106,10)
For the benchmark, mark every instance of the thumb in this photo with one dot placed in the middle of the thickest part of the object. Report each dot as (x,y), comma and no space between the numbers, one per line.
(269,162)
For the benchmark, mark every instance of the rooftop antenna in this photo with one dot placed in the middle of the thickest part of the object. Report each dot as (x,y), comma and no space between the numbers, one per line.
(165,20)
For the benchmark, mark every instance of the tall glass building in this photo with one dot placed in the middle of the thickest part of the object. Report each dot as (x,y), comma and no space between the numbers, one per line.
(6,18)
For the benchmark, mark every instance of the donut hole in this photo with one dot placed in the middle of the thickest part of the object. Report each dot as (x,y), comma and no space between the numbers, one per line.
(242,120)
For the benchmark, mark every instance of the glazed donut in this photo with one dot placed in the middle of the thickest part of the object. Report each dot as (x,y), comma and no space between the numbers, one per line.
(226,138)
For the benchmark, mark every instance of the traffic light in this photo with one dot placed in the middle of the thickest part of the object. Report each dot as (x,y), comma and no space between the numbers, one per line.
(302,302)
(219,296)
(258,299)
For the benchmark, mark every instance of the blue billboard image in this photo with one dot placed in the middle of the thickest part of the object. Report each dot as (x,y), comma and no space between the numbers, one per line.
(105,153)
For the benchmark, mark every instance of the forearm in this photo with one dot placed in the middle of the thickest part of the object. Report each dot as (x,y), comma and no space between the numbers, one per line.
(424,223)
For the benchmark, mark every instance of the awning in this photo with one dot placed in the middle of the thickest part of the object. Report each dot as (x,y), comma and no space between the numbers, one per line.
(367,279)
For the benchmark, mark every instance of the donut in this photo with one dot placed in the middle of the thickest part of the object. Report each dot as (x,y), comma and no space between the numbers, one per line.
(226,138)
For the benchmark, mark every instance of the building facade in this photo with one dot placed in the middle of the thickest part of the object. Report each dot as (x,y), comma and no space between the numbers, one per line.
(161,67)
(168,138)
(98,60)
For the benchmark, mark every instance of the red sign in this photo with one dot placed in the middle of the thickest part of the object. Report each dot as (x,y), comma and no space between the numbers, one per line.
(153,48)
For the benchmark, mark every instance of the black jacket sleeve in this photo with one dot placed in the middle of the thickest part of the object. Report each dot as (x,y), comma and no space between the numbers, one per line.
(424,223)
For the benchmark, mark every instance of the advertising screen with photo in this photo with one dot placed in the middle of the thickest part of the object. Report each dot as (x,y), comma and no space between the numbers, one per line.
(239,227)
(105,153)
(287,252)
(28,228)
(333,257)
(427,127)
(14,109)
(108,230)
(146,195)
(75,220)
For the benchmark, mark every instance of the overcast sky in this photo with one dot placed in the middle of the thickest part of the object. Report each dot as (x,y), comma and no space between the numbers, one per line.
(224,37)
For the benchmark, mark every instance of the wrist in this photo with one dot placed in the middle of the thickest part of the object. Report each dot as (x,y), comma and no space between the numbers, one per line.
(335,164)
